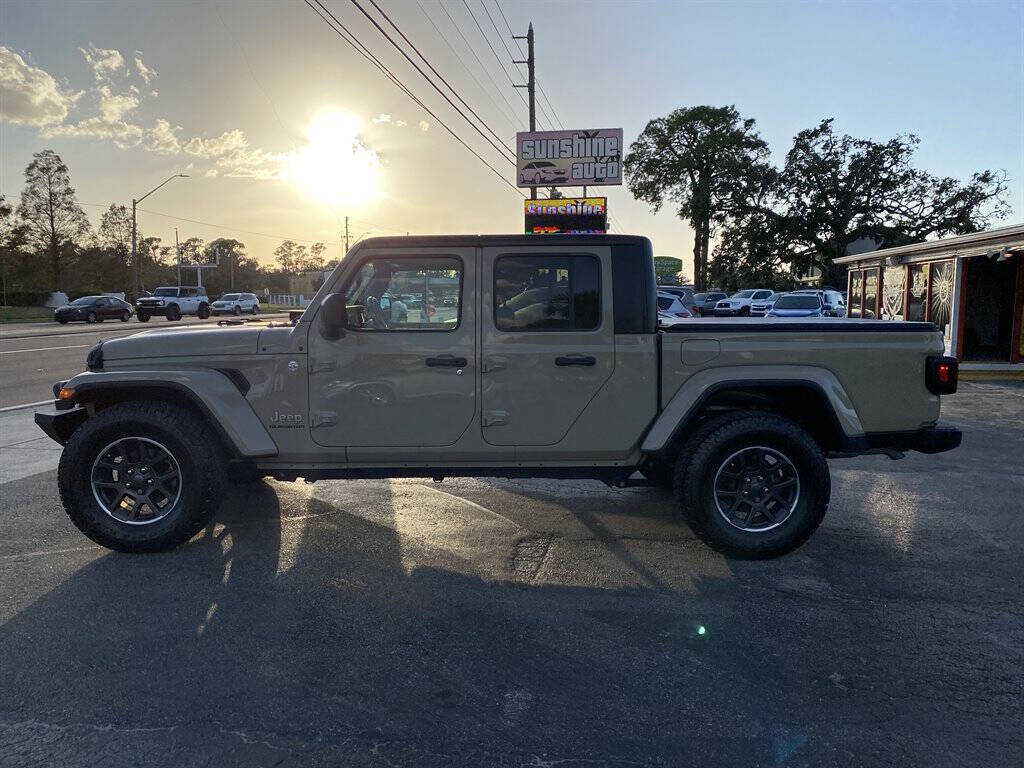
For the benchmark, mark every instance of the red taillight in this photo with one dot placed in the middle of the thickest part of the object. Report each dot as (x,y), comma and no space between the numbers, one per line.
(941,375)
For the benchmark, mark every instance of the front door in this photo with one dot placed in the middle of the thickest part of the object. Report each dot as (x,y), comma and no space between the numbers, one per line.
(548,340)
(403,375)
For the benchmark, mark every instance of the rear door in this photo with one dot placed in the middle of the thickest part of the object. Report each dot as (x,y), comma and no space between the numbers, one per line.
(548,343)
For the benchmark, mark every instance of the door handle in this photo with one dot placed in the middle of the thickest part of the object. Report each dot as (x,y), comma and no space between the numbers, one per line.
(446,361)
(575,360)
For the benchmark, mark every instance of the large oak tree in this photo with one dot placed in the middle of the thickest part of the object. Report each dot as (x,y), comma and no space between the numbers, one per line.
(695,158)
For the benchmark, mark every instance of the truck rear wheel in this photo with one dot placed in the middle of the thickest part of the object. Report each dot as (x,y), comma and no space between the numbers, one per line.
(130,483)
(203,312)
(753,485)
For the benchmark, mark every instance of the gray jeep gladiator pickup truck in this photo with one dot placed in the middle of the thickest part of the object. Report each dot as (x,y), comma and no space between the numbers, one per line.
(517,356)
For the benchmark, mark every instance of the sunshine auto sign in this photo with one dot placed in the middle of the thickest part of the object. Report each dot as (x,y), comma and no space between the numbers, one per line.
(588,158)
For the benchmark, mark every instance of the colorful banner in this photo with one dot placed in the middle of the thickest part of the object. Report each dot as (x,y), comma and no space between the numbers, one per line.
(567,215)
(584,158)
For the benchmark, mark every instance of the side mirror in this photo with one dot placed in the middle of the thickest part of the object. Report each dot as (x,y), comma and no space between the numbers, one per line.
(333,315)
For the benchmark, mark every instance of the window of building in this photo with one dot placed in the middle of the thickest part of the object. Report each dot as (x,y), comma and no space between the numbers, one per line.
(870,293)
(917,292)
(940,294)
(406,294)
(547,293)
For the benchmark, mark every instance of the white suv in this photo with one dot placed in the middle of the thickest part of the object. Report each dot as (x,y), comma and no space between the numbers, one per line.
(172,302)
(236,304)
(739,303)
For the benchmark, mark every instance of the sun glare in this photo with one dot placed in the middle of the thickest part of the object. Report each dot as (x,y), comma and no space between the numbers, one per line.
(335,166)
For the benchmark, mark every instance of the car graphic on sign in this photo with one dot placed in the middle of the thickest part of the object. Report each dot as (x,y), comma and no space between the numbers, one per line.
(542,172)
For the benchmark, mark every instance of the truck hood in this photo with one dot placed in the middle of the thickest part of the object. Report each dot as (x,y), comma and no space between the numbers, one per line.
(184,343)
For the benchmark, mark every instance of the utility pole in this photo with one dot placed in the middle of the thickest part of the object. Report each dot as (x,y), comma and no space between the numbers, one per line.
(346,234)
(177,250)
(531,85)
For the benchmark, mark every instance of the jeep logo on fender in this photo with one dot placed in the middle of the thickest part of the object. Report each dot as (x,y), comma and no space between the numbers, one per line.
(285,420)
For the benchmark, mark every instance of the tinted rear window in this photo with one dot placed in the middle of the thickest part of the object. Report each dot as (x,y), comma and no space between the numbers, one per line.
(797,301)
(633,289)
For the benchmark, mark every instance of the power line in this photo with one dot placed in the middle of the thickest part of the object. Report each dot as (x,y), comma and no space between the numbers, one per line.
(234,229)
(491,46)
(500,147)
(472,50)
(511,117)
(345,34)
(523,53)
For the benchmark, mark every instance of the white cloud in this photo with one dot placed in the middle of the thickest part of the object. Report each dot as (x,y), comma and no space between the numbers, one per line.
(401,123)
(382,118)
(228,141)
(114,106)
(123,134)
(211,173)
(29,95)
(424,126)
(145,72)
(104,61)
(162,138)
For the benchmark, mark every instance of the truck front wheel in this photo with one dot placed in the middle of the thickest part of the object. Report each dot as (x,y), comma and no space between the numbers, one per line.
(130,483)
(753,485)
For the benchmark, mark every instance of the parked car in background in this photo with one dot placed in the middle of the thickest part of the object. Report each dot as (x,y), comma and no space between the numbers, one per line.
(94,309)
(760,307)
(672,306)
(236,304)
(738,305)
(704,303)
(683,292)
(174,301)
(797,305)
(832,302)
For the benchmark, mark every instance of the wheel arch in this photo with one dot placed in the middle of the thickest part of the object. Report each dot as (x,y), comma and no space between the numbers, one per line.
(217,397)
(813,398)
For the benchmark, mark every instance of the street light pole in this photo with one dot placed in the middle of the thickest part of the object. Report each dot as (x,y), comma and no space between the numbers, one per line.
(135,247)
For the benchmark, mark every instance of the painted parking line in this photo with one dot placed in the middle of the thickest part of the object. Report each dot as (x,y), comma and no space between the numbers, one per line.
(43,349)
(25,405)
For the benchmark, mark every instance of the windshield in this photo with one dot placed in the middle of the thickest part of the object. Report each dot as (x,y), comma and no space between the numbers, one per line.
(85,300)
(165,292)
(229,297)
(798,301)
(664,302)
(743,295)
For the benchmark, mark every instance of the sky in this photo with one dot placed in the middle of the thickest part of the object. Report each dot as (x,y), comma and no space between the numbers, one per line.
(284,130)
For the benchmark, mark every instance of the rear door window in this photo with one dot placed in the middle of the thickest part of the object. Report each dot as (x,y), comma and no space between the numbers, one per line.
(547,293)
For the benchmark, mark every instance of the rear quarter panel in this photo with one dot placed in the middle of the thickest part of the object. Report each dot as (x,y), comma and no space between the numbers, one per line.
(881,371)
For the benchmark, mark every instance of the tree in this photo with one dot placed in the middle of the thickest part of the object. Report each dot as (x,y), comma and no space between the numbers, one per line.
(115,232)
(316,257)
(694,158)
(291,256)
(50,210)
(228,252)
(839,189)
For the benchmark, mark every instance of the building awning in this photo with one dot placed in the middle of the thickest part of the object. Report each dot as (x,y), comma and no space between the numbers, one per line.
(992,242)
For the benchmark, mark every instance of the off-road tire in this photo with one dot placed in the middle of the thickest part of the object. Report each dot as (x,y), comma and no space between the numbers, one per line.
(203,312)
(717,439)
(126,316)
(201,461)
(173,312)
(143,317)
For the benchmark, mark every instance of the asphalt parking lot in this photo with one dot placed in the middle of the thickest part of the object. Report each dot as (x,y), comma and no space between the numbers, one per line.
(500,623)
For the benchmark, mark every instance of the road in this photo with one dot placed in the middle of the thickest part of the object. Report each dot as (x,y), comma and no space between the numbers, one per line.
(34,355)
(535,623)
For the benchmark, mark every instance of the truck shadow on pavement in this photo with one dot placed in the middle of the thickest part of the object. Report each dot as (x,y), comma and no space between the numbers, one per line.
(350,626)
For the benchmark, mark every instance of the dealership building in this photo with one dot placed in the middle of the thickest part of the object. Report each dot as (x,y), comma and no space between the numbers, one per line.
(971,286)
